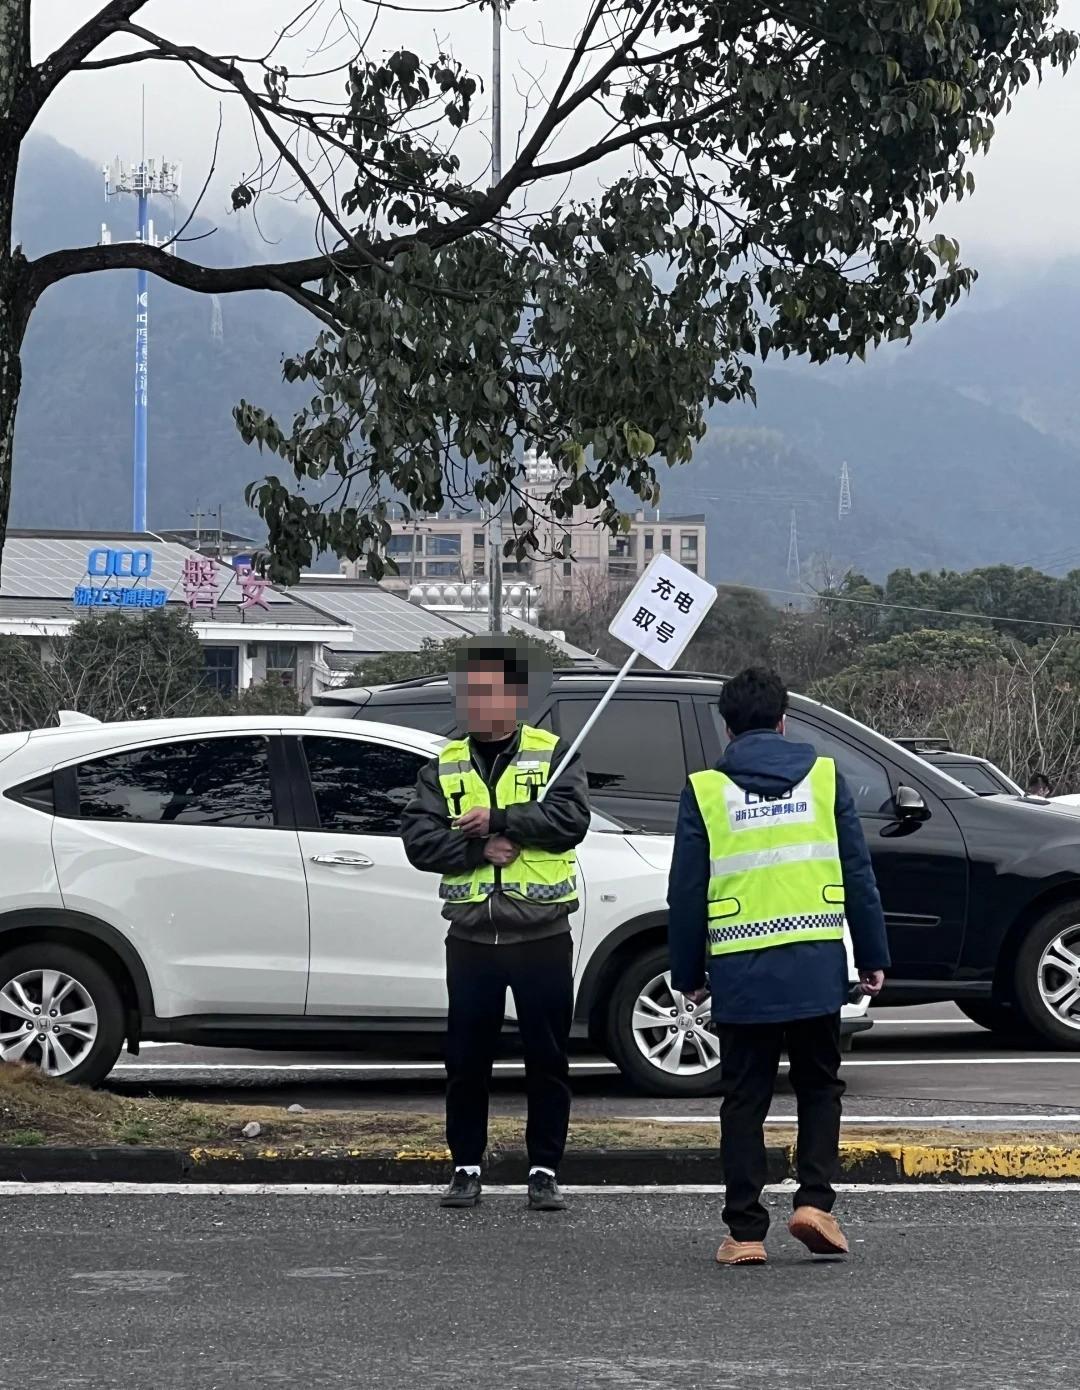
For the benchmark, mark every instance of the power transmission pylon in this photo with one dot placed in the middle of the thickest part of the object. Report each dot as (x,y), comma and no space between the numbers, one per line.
(845,493)
(217,326)
(794,570)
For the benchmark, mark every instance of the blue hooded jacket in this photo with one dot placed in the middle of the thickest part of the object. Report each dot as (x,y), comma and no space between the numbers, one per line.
(783,983)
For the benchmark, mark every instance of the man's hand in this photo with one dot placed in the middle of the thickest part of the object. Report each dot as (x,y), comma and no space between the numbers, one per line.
(872,982)
(475,823)
(500,851)
(696,997)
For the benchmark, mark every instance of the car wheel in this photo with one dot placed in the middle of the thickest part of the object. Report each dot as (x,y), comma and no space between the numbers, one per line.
(1002,1019)
(59,1011)
(1048,976)
(663,1046)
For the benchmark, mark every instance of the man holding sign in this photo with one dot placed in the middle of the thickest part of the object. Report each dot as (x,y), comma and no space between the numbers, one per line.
(482,819)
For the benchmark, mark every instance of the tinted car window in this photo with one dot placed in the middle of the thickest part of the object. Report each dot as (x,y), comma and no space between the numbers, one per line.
(432,718)
(636,746)
(975,777)
(39,794)
(360,788)
(218,781)
(866,778)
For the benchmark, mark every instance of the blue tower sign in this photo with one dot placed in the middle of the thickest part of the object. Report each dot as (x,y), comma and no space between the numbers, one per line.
(149,178)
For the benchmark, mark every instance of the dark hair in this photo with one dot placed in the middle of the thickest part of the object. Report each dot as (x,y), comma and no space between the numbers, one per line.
(1039,779)
(515,667)
(754,699)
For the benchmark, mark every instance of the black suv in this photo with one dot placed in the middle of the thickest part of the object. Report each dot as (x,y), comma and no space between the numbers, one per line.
(981,893)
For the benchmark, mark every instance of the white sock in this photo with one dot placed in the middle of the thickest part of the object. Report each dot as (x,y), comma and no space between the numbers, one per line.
(550,1172)
(473,1169)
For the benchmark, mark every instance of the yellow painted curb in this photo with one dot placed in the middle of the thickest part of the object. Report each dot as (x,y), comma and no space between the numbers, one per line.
(853,1152)
(1049,1162)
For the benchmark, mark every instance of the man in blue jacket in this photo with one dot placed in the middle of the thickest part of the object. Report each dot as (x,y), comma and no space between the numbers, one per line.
(769,859)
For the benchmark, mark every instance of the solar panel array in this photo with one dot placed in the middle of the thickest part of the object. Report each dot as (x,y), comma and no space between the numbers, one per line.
(381,621)
(478,622)
(54,566)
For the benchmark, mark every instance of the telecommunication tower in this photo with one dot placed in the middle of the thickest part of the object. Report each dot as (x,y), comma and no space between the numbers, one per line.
(845,493)
(794,570)
(217,323)
(144,180)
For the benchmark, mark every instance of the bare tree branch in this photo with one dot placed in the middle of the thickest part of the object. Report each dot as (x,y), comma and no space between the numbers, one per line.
(48,75)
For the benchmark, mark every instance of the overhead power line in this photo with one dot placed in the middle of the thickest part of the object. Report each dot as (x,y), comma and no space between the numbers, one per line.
(904,607)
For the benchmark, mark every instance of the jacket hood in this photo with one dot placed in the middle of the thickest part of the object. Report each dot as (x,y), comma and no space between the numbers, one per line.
(766,763)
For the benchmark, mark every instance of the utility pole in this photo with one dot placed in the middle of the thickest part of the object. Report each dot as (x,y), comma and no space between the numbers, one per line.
(197,517)
(845,493)
(794,570)
(495,531)
(147,178)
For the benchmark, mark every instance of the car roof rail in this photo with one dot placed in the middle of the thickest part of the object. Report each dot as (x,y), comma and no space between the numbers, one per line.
(925,745)
(601,670)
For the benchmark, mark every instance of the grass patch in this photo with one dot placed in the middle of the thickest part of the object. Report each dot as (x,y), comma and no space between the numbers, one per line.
(25,1138)
(37,1110)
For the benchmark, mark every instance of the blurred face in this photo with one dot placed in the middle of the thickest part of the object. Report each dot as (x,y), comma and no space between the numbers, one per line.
(489,706)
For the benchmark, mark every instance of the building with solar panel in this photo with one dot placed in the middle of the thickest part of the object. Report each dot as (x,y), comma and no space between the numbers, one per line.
(251,631)
(310,637)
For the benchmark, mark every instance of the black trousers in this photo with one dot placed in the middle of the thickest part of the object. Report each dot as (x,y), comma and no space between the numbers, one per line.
(750,1059)
(540,973)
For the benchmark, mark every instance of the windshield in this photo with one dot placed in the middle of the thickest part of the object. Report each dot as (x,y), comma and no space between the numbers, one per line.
(984,779)
(607,825)
(977,778)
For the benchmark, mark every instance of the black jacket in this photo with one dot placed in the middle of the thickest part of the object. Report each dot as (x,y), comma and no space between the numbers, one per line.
(558,823)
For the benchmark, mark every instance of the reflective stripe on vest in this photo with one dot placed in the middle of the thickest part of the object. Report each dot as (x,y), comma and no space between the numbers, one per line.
(775,873)
(536,875)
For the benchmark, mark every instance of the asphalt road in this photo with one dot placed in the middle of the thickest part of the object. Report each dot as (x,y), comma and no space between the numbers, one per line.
(945,1291)
(928,1064)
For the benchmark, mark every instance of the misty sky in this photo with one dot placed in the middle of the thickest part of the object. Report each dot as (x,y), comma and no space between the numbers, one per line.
(1027,200)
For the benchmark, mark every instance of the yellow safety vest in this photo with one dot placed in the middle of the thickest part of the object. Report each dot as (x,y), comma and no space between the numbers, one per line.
(775,876)
(536,875)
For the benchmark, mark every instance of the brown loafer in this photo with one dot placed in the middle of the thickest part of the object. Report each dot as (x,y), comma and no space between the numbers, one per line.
(741,1252)
(819,1231)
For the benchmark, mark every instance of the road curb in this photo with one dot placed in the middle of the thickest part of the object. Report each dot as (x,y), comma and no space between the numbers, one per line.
(866,1161)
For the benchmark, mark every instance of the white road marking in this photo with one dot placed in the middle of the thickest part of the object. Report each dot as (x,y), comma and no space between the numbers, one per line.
(850,1063)
(210,1189)
(1043,1119)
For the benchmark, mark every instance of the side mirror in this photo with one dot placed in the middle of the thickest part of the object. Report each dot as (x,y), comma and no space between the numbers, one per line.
(910,805)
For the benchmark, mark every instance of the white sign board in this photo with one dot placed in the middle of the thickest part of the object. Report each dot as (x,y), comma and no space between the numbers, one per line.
(663,611)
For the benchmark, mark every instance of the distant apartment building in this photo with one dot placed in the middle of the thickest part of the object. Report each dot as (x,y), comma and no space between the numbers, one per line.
(453,549)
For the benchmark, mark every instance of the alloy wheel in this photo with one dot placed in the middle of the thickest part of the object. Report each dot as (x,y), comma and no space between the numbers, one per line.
(671,1033)
(48,1019)
(1059,977)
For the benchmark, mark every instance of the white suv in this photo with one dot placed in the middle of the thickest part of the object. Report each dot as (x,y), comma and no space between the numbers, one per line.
(242,881)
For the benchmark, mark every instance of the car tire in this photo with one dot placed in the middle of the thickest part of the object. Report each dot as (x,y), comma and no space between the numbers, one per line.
(1048,977)
(1004,1020)
(25,973)
(647,973)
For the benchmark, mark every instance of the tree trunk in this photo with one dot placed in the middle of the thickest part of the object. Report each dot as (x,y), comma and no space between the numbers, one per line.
(14,309)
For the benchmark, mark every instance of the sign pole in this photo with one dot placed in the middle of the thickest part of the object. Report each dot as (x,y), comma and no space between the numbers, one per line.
(659,617)
(601,705)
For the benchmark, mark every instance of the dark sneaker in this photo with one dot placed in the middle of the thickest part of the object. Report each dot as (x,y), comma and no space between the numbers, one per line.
(464,1190)
(544,1194)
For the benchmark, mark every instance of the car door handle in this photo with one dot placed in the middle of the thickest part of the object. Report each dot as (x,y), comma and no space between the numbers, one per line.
(344,861)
